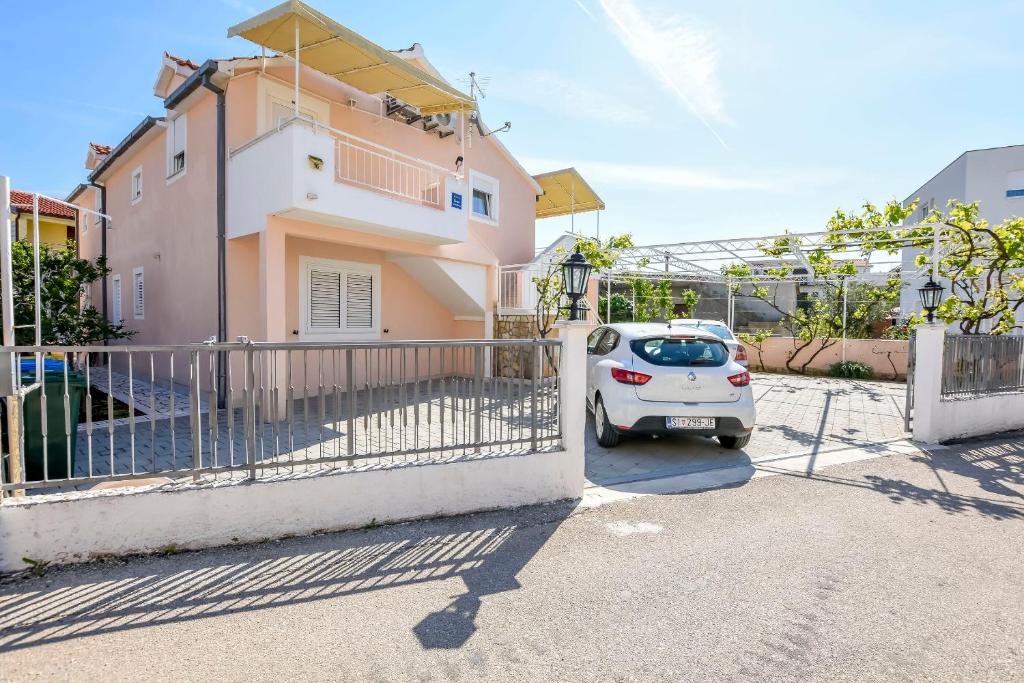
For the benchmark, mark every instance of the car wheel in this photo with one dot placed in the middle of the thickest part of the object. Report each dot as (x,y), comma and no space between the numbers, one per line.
(603,429)
(734,442)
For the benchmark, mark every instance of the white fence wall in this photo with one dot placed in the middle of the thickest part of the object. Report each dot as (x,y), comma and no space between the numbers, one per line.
(937,420)
(79,526)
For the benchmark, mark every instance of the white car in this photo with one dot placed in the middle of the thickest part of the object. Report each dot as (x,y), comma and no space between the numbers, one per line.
(655,378)
(739,352)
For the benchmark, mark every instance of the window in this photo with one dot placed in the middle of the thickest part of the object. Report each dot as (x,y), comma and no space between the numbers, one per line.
(680,352)
(177,137)
(927,207)
(138,294)
(136,185)
(594,339)
(281,111)
(339,298)
(117,318)
(607,344)
(97,204)
(485,198)
(1015,183)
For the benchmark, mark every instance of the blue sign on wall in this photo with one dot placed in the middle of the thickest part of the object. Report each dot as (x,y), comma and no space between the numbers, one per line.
(456,200)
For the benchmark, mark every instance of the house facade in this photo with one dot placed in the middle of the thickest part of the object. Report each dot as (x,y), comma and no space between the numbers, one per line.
(343,215)
(993,177)
(58,223)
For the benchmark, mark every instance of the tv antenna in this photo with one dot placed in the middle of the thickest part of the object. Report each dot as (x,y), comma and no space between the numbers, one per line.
(477,85)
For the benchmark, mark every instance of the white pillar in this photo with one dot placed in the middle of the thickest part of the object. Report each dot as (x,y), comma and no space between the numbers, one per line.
(927,424)
(6,269)
(572,371)
(843,284)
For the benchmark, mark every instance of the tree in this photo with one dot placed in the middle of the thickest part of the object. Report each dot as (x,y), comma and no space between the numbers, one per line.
(622,308)
(601,255)
(756,341)
(817,323)
(983,264)
(64,317)
(653,299)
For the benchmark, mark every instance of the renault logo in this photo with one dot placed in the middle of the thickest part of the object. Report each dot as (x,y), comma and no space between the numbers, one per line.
(692,376)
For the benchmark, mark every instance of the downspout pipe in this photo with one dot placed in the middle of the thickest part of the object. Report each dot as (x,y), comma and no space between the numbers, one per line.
(222,283)
(103,246)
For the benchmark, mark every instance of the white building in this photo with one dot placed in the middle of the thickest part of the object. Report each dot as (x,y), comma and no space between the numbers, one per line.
(993,177)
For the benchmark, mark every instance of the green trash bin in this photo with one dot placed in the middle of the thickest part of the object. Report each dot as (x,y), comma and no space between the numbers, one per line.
(57,440)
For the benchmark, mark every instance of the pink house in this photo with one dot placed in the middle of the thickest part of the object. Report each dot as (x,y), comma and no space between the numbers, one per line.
(365,217)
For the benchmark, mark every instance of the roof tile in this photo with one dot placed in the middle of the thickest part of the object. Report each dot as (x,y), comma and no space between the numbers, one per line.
(22,201)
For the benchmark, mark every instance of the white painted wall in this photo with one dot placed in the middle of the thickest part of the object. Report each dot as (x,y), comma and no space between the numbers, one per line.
(121,521)
(936,420)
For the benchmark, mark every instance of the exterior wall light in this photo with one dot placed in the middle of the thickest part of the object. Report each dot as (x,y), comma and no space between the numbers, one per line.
(575,276)
(931,297)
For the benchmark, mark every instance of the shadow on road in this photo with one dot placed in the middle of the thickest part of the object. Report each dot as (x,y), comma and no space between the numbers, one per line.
(486,551)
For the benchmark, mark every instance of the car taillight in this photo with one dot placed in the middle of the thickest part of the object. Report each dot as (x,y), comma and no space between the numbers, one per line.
(629,377)
(740,380)
(741,352)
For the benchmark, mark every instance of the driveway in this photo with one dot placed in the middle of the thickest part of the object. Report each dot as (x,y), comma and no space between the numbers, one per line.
(796,416)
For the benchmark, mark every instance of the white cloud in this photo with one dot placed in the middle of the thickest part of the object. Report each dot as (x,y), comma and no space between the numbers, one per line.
(579,3)
(677,51)
(553,92)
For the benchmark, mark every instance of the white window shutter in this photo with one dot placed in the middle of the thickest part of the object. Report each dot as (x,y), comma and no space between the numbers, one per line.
(324,299)
(138,295)
(359,301)
(116,295)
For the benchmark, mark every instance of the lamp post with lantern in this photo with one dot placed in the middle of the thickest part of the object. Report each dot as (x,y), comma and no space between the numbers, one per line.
(575,276)
(931,297)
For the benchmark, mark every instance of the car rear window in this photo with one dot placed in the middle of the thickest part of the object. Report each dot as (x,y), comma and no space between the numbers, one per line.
(681,353)
(721,330)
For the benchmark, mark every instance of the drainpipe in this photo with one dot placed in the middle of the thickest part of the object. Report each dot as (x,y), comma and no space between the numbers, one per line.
(222,288)
(103,246)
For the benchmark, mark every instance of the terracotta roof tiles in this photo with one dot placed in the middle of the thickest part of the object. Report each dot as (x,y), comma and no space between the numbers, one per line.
(22,201)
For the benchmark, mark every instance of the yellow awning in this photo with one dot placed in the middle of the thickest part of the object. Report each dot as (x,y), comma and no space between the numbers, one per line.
(565,192)
(329,47)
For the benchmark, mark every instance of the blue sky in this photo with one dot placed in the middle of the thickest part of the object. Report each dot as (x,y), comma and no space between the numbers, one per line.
(692,120)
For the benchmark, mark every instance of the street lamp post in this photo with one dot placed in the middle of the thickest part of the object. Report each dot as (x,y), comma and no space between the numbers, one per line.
(931,296)
(575,276)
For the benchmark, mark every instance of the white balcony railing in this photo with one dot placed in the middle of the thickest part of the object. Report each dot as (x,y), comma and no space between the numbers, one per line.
(375,167)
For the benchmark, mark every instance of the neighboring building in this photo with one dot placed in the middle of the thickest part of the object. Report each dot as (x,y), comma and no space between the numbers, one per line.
(367,219)
(992,177)
(58,223)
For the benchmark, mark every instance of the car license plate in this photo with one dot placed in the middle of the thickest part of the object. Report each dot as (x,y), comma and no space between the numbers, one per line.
(690,422)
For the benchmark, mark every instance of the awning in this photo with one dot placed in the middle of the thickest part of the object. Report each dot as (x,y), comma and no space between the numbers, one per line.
(329,47)
(565,192)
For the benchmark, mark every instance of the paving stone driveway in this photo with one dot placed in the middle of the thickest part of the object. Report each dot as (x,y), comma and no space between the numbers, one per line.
(795,415)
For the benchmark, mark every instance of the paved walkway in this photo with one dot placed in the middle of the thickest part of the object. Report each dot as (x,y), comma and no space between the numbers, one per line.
(795,416)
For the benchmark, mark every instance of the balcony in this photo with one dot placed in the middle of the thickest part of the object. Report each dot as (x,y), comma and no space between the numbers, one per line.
(322,175)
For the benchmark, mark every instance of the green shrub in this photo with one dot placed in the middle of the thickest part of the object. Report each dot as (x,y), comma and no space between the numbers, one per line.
(850,369)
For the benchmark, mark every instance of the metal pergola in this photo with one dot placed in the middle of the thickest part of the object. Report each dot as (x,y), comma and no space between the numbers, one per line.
(707,261)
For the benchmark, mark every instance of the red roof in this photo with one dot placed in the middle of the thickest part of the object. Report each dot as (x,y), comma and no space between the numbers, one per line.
(181,61)
(99,149)
(22,201)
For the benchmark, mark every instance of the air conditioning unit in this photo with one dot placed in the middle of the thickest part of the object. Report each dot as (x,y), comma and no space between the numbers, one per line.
(442,124)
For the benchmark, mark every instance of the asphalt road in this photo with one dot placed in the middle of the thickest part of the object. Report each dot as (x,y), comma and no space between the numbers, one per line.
(897,568)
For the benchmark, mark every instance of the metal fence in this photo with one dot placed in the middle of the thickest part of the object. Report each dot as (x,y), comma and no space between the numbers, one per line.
(375,167)
(976,364)
(111,413)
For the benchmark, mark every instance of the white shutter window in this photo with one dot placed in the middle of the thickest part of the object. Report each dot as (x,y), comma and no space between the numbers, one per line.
(339,298)
(117,318)
(359,301)
(136,185)
(324,299)
(138,295)
(177,137)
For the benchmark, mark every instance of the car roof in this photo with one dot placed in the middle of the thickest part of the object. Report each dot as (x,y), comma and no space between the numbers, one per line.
(638,330)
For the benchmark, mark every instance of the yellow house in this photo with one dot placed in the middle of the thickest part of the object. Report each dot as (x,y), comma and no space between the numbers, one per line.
(57,223)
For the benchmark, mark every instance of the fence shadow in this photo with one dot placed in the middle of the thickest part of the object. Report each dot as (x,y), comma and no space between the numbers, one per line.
(486,551)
